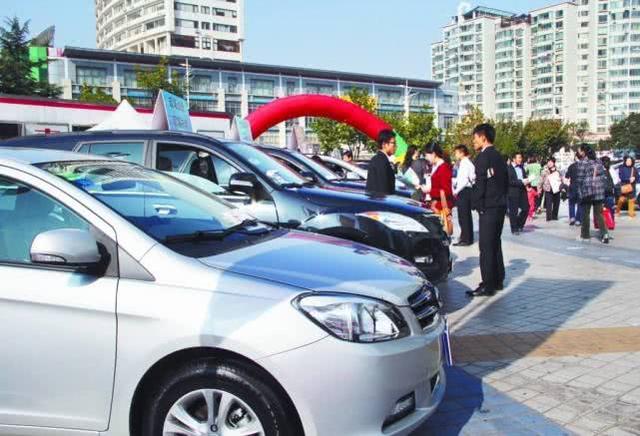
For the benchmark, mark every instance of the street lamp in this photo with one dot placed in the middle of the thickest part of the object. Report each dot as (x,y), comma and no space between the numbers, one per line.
(407,98)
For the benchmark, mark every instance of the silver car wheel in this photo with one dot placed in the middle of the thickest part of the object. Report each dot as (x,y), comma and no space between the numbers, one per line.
(211,412)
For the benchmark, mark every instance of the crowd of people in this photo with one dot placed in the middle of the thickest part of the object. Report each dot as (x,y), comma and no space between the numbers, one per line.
(496,187)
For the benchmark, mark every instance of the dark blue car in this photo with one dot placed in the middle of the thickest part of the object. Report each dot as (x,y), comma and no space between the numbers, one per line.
(271,191)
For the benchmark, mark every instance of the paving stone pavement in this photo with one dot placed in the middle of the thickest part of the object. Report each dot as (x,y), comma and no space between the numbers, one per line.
(559,348)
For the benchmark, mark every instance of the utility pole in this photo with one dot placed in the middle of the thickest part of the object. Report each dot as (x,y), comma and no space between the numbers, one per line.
(187,80)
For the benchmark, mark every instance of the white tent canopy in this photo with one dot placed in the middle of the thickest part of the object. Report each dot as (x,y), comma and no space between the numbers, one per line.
(124,117)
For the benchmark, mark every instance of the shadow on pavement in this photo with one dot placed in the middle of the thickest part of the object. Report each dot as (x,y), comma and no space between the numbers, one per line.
(475,408)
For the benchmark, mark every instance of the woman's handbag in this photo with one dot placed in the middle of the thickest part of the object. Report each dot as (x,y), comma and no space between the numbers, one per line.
(445,214)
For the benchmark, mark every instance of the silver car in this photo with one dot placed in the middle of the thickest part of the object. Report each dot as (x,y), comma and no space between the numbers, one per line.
(132,303)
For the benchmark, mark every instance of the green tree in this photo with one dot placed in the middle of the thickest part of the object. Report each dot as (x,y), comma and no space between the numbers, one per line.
(95,95)
(509,136)
(461,132)
(625,134)
(157,79)
(544,137)
(15,65)
(579,131)
(417,129)
(333,134)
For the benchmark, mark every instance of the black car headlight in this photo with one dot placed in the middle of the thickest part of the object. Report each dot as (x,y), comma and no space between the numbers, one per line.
(354,318)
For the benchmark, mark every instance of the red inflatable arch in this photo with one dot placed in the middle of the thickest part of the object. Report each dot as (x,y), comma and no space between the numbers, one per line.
(314,105)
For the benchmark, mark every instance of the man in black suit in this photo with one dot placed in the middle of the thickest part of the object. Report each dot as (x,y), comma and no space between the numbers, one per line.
(518,200)
(490,200)
(381,179)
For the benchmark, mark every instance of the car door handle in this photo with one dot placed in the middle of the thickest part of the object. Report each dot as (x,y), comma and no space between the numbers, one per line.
(165,209)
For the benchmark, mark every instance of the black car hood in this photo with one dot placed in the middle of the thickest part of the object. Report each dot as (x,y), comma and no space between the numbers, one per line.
(337,198)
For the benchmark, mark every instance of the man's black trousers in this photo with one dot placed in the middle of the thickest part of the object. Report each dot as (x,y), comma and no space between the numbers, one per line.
(463,203)
(518,210)
(491,261)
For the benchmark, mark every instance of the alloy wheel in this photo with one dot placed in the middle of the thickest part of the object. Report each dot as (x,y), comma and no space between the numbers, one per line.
(211,412)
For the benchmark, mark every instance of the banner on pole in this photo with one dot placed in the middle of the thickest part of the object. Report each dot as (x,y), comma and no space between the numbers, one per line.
(171,113)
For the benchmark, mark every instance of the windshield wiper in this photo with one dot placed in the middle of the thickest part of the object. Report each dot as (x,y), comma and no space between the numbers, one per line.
(292,185)
(207,235)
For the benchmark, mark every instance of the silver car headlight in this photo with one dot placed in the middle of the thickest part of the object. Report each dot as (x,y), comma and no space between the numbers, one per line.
(396,221)
(353,318)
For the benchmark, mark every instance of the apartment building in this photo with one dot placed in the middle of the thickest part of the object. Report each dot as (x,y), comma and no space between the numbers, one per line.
(513,68)
(577,61)
(465,58)
(212,29)
(554,62)
(609,61)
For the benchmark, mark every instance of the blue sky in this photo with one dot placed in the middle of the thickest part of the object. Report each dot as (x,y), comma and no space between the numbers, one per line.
(366,36)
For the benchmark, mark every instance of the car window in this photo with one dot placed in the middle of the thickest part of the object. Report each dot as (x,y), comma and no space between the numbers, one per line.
(25,213)
(182,159)
(316,167)
(129,151)
(224,170)
(158,205)
(265,165)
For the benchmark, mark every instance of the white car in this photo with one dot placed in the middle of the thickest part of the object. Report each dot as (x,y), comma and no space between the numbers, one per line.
(134,304)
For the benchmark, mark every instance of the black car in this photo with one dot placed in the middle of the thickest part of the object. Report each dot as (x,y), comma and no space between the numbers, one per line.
(277,194)
(318,171)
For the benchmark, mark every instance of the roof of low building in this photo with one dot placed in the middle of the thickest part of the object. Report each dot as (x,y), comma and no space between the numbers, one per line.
(247,67)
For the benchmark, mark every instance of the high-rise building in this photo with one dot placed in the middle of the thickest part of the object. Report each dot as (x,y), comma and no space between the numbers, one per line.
(577,61)
(212,29)
(466,57)
(608,61)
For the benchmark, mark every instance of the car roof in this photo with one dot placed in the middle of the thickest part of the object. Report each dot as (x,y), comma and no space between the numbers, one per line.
(34,156)
(106,134)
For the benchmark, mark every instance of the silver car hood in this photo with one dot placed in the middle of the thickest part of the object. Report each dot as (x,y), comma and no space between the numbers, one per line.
(321,263)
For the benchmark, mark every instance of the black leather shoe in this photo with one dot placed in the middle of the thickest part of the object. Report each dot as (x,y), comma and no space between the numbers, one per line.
(481,291)
(462,244)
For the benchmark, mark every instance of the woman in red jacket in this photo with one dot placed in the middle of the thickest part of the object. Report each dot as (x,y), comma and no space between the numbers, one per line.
(441,177)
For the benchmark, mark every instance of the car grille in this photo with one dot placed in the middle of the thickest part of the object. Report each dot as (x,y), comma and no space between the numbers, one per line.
(425,305)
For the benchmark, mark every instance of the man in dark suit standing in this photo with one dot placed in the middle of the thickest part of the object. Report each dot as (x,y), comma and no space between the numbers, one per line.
(381,179)
(490,200)
(518,200)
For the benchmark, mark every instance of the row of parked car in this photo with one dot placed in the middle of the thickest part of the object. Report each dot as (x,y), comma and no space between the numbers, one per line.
(164,283)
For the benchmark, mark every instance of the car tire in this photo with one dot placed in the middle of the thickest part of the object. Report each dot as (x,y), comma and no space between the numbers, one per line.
(234,379)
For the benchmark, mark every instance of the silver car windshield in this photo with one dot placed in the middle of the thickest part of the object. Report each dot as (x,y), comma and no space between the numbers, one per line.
(159,205)
(316,167)
(268,166)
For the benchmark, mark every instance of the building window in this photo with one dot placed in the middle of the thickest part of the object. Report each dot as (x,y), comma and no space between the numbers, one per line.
(225,28)
(205,10)
(201,83)
(228,46)
(233,107)
(130,79)
(183,41)
(262,88)
(188,24)
(186,7)
(291,87)
(91,76)
(232,85)
(224,13)
(205,25)
(203,105)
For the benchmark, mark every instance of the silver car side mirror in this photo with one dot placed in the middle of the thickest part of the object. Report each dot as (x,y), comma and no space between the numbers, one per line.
(65,247)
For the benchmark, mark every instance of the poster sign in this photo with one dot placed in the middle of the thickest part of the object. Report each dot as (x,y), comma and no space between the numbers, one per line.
(171,113)
(241,130)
